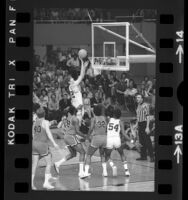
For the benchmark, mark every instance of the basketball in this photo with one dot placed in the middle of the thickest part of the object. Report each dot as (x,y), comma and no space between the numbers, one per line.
(82,53)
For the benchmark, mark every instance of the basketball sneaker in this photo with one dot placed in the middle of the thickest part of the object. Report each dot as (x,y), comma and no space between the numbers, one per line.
(33,187)
(84,175)
(48,186)
(127,173)
(105,174)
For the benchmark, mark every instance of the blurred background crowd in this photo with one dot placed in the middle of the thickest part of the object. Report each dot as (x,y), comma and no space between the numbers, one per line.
(96,14)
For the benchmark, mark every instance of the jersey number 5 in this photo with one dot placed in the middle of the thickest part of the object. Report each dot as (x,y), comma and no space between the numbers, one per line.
(111,127)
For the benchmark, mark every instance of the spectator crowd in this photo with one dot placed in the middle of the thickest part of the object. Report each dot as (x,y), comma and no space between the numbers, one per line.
(69,14)
(51,87)
(96,14)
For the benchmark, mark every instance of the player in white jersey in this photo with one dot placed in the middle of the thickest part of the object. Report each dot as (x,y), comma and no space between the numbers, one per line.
(75,89)
(114,127)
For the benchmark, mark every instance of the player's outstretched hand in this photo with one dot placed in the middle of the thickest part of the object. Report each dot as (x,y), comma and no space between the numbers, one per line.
(82,62)
(86,63)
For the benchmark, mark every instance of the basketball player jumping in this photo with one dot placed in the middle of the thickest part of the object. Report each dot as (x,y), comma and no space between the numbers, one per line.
(75,90)
(72,142)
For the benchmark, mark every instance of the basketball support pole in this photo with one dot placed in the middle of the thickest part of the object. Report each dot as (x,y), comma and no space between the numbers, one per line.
(127,44)
(143,38)
(92,42)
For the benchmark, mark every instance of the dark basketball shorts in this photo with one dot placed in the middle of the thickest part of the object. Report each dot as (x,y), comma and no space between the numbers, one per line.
(40,148)
(98,141)
(80,138)
(71,140)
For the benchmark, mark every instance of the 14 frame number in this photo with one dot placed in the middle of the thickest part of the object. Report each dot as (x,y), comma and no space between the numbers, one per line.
(179,51)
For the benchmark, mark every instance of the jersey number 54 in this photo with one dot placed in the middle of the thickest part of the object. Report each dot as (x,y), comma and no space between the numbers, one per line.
(111,127)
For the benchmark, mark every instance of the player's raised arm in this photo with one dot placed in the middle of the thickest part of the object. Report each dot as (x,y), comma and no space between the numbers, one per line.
(49,134)
(82,73)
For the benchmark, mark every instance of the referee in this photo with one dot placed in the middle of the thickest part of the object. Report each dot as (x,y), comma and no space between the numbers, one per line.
(143,129)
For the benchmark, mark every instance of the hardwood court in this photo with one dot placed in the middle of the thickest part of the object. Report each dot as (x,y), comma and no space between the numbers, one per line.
(141,179)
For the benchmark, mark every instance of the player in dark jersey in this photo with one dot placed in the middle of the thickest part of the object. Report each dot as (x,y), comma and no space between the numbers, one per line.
(40,147)
(84,128)
(72,142)
(98,130)
(132,132)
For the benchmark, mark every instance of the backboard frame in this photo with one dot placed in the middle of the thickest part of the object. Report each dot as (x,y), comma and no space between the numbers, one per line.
(126,41)
(127,59)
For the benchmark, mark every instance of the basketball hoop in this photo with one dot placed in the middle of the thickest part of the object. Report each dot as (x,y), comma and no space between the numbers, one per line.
(111,58)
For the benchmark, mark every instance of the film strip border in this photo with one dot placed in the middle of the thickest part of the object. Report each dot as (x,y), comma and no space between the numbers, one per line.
(169,105)
(18,119)
(19,106)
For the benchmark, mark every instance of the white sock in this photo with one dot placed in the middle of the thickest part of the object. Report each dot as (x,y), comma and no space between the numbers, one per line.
(47,177)
(125,165)
(33,176)
(86,169)
(87,186)
(81,168)
(105,181)
(111,163)
(104,167)
(50,176)
(60,161)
